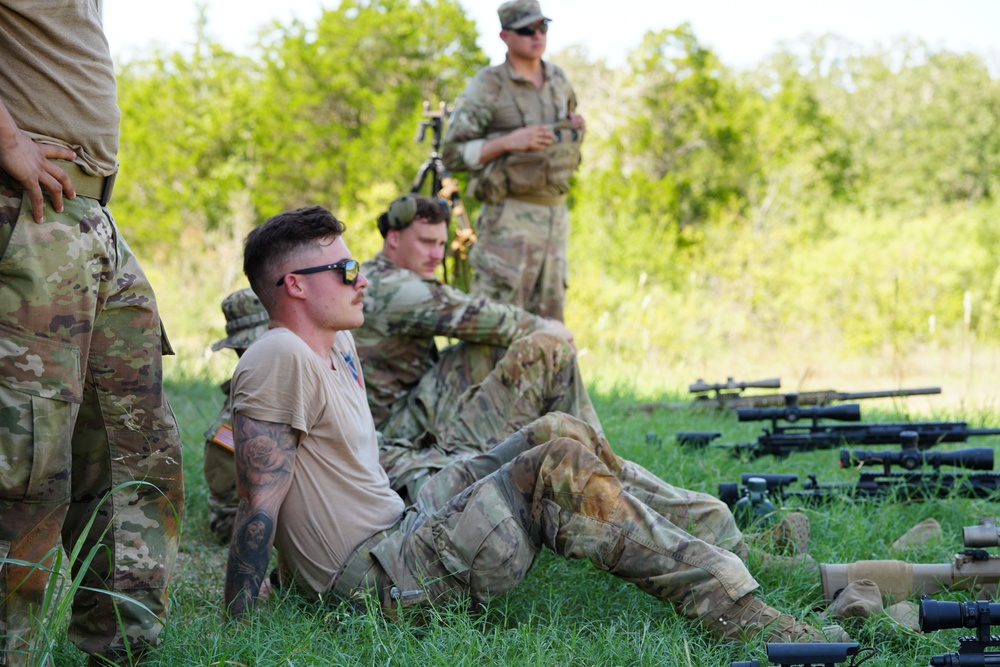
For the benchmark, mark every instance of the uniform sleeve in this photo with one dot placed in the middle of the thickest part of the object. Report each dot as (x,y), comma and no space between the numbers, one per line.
(428,308)
(466,133)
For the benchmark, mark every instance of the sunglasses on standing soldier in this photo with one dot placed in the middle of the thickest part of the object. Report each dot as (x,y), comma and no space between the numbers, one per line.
(530,30)
(349,270)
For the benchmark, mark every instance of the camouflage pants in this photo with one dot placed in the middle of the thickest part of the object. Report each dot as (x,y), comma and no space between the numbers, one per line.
(89,449)
(578,499)
(468,404)
(520,255)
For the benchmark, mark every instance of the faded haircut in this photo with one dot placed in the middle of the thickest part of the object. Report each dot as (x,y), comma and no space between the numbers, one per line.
(282,236)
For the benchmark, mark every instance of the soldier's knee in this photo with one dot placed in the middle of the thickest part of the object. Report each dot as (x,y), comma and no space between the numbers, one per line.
(547,343)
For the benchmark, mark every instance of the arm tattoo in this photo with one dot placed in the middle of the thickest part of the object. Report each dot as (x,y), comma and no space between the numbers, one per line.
(265,461)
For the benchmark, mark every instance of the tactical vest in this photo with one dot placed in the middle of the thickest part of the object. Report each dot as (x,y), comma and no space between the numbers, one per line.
(528,172)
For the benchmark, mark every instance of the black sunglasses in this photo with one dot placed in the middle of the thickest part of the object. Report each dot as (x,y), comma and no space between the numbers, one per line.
(530,30)
(349,269)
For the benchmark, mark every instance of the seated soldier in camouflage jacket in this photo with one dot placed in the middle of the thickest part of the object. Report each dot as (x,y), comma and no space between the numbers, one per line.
(507,368)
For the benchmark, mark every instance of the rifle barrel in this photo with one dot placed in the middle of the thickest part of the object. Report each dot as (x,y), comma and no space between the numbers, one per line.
(891,393)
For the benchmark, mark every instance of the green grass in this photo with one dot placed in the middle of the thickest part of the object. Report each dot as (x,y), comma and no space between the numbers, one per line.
(564,613)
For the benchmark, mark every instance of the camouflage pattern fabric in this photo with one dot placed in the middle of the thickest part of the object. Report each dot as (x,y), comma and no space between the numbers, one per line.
(530,235)
(219,467)
(564,494)
(433,406)
(520,256)
(403,314)
(85,429)
(497,101)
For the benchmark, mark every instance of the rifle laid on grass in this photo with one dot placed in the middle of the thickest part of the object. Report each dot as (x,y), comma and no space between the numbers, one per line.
(787,435)
(973,568)
(812,655)
(883,484)
(979,650)
(729,395)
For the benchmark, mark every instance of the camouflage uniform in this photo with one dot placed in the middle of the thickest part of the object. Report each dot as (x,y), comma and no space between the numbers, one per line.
(520,253)
(246,319)
(89,447)
(82,414)
(505,371)
(480,523)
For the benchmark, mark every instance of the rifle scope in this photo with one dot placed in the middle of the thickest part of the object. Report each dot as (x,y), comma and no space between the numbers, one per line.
(974,458)
(980,537)
(700,385)
(845,412)
(807,655)
(935,615)
(730,492)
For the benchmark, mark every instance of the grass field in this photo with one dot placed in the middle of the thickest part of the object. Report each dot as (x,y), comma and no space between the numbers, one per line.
(565,613)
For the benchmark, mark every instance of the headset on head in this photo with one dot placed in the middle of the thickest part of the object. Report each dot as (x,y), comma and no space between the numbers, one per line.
(402,212)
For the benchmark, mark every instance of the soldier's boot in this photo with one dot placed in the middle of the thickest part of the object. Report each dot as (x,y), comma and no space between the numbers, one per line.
(749,618)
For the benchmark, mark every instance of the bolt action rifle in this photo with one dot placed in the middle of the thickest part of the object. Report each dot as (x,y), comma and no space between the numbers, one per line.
(812,655)
(979,650)
(445,186)
(881,485)
(782,439)
(729,395)
(972,569)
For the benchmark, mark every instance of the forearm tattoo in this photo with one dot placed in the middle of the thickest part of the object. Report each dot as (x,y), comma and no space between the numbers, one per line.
(265,461)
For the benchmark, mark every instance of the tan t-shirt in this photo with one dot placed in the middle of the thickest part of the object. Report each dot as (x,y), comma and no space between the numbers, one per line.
(340,494)
(57,79)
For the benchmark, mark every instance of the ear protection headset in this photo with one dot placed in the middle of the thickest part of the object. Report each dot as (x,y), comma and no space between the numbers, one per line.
(402,212)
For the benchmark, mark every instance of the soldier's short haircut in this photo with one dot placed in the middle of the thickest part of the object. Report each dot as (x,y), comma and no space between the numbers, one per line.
(268,246)
(404,210)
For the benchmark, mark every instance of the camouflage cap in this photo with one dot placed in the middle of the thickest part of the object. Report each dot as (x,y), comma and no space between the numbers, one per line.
(246,319)
(519,13)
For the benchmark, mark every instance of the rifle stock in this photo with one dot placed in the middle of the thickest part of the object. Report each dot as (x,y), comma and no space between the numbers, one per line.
(898,580)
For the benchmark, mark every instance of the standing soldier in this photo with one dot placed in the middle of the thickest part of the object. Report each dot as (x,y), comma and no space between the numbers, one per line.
(516,130)
(245,320)
(86,432)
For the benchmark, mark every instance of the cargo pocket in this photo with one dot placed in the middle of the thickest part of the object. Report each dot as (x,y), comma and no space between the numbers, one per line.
(481,543)
(40,393)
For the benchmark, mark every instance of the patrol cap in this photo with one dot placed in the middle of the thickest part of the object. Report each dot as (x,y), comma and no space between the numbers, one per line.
(520,13)
(246,319)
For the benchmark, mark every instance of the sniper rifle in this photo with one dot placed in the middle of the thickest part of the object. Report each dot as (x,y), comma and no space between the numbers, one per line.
(812,655)
(973,568)
(909,485)
(979,650)
(729,395)
(782,439)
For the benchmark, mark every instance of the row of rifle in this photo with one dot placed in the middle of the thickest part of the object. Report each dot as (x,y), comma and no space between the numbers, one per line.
(796,427)
(973,569)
